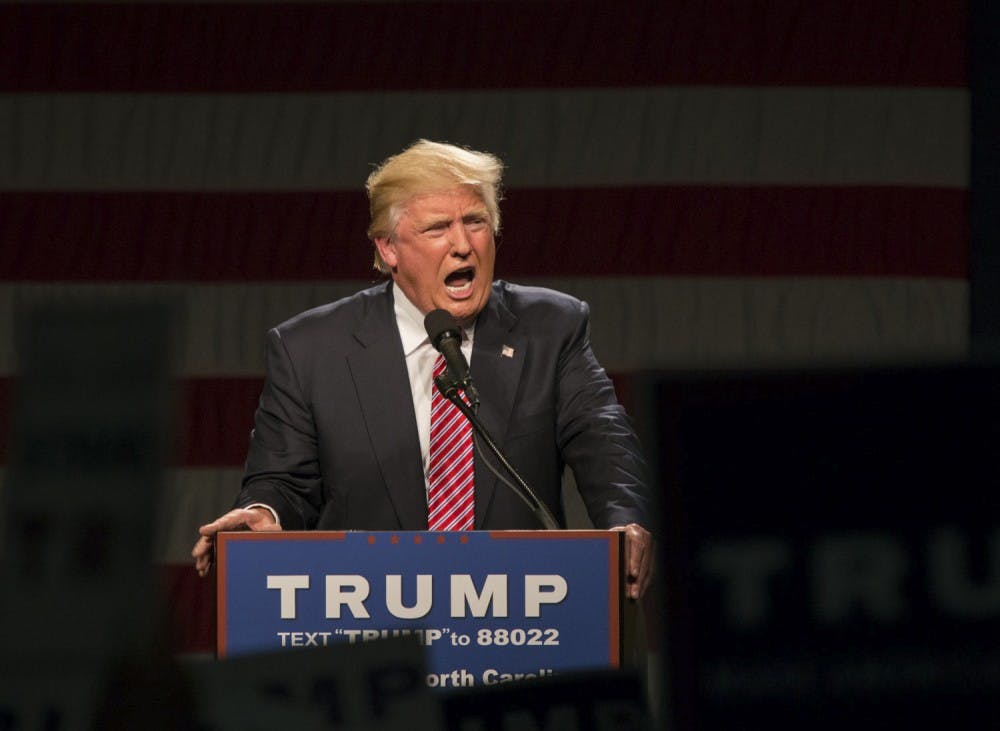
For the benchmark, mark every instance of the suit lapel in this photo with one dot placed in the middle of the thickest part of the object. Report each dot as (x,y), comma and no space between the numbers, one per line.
(383,386)
(497,358)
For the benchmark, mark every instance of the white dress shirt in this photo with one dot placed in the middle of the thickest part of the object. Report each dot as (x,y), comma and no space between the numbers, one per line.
(420,357)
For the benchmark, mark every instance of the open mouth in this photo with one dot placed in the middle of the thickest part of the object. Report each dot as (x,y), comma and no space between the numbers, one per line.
(459,282)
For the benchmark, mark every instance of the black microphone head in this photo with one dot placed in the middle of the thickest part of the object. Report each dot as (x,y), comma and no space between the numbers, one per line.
(438,324)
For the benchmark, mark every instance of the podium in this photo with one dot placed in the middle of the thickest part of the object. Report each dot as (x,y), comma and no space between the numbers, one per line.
(487,606)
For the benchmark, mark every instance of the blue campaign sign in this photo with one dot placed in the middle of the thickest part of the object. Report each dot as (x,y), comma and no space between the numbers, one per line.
(487,606)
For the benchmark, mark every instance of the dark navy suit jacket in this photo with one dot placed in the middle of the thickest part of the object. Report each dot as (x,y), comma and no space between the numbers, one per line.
(335,444)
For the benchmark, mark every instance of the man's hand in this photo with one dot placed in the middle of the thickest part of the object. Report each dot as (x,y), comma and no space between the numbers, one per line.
(203,552)
(639,555)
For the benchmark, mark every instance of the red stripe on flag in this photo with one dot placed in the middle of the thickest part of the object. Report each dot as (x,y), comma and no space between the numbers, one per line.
(214,423)
(233,47)
(191,608)
(668,230)
(738,231)
(218,416)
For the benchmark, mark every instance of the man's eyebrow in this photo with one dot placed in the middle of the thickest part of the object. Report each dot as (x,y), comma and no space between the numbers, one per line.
(434,220)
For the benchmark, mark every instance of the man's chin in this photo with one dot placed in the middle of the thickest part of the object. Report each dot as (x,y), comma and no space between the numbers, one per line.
(466,311)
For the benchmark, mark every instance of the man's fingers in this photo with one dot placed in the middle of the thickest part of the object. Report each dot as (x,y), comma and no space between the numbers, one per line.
(639,559)
(635,549)
(643,558)
(202,554)
(233,520)
(201,547)
(204,548)
(238,519)
(644,577)
(636,552)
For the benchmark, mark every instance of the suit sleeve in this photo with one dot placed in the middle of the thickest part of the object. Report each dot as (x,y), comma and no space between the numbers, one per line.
(282,469)
(595,435)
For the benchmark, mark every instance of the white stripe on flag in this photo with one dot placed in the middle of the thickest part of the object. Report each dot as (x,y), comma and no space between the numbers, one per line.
(685,321)
(191,498)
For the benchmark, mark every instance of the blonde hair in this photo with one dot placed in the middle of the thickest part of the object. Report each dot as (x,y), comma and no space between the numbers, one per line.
(429,167)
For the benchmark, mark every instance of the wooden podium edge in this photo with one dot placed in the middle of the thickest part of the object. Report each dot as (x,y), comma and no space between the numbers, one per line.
(221,563)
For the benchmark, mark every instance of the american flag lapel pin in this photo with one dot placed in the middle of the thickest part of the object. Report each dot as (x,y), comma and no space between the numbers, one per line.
(507,351)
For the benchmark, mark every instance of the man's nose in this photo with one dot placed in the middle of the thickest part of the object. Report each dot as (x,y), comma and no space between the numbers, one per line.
(460,243)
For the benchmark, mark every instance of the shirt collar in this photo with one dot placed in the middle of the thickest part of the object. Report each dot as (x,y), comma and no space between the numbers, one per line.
(410,322)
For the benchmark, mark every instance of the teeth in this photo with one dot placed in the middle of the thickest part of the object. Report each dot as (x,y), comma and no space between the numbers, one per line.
(465,287)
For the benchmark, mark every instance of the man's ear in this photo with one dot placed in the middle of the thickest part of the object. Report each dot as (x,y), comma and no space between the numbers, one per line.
(387,250)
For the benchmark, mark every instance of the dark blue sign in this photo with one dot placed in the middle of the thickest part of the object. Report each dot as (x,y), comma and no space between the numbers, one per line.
(831,547)
(487,606)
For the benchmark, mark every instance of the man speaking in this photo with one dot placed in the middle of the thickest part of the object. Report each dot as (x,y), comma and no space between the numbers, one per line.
(351,433)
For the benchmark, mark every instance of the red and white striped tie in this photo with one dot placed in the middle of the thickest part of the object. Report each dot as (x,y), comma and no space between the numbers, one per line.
(450,495)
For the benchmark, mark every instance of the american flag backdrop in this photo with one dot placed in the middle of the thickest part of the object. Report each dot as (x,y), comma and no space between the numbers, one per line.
(726,182)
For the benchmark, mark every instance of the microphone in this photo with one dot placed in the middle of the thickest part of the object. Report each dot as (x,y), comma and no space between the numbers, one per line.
(446,337)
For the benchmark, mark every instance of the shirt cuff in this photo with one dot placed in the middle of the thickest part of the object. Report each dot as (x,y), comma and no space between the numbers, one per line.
(268,508)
